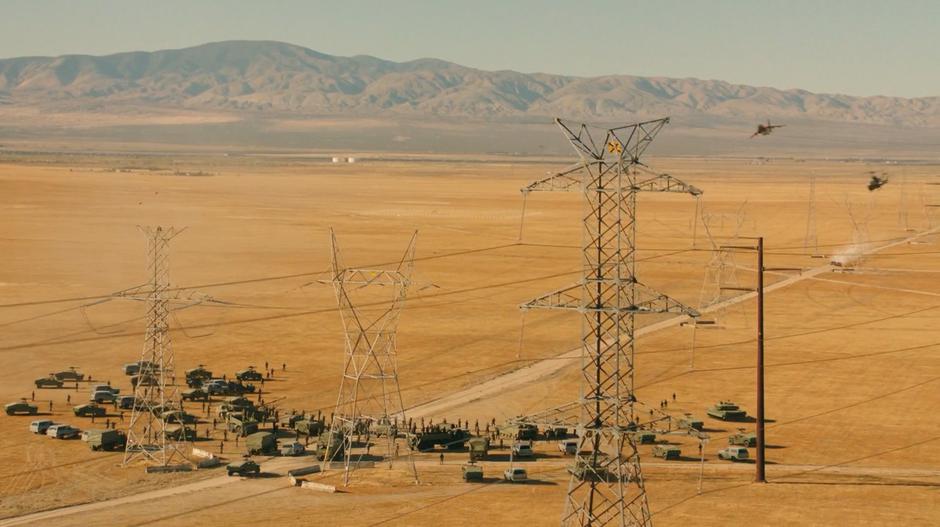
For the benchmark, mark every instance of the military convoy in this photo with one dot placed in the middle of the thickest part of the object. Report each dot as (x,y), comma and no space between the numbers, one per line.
(727,411)
(21,408)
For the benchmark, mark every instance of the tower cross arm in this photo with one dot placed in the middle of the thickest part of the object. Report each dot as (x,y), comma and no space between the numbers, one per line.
(649,300)
(666,183)
(565,298)
(568,180)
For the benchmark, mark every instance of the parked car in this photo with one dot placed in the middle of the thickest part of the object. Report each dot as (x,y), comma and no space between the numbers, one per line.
(63,432)
(523,449)
(40,426)
(733,453)
(515,474)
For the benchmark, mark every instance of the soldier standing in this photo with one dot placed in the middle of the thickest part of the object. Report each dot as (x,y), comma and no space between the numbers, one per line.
(221,446)
(442,458)
(50,406)
(68,398)
(284,366)
(34,395)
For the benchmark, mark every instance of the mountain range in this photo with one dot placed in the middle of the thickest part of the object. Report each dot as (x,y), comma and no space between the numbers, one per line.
(278,86)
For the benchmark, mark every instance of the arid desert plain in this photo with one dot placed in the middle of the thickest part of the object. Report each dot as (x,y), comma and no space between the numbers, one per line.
(852,377)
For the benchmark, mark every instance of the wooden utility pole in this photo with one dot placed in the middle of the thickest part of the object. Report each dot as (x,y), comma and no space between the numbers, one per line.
(759,476)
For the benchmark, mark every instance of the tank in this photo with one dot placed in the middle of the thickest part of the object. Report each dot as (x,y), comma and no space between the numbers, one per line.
(727,411)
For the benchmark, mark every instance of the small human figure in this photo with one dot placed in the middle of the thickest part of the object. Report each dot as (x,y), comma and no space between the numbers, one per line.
(33,398)
(221,447)
(673,396)
(442,458)
(284,366)
(50,406)
(68,398)
(265,364)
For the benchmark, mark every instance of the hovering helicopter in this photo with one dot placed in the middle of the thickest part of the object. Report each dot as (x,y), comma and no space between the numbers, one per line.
(877,181)
(765,129)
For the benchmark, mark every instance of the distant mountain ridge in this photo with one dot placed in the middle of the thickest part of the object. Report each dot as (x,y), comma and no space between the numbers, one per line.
(259,77)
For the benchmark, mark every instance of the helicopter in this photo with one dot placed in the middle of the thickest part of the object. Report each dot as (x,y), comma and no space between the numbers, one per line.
(765,129)
(877,181)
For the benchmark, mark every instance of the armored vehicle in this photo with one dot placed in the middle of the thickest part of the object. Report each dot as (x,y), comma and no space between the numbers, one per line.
(180,433)
(251,374)
(743,439)
(144,379)
(645,438)
(290,421)
(48,382)
(106,440)
(556,432)
(245,467)
(515,475)
(102,397)
(89,410)
(40,426)
(336,443)
(733,453)
(383,428)
(293,449)
(472,473)
(70,374)
(309,427)
(479,447)
(584,470)
(667,451)
(105,388)
(261,443)
(21,407)
(180,417)
(727,411)
(131,368)
(690,423)
(523,449)
(199,373)
(195,394)
(63,432)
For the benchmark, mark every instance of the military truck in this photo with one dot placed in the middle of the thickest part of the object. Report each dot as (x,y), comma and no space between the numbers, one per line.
(733,453)
(520,432)
(290,421)
(472,473)
(133,368)
(383,428)
(89,410)
(727,411)
(743,439)
(568,447)
(194,394)
(70,374)
(246,467)
(667,451)
(645,438)
(48,382)
(105,388)
(20,408)
(106,440)
(479,447)
(125,402)
(250,374)
(144,379)
(450,438)
(261,443)
(241,427)
(180,433)
(690,423)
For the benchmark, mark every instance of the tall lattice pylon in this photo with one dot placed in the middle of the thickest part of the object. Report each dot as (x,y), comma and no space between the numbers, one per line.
(370,402)
(721,271)
(156,389)
(606,485)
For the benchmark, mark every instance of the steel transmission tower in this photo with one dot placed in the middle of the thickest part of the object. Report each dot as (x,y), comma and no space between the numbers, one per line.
(606,485)
(156,388)
(811,239)
(370,402)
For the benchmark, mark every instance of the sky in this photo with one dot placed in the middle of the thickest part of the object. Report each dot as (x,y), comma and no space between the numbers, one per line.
(857,47)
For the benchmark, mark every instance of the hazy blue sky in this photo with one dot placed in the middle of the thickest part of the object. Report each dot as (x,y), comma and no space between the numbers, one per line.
(885,47)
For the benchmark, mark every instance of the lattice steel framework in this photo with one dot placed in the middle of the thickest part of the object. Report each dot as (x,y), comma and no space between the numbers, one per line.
(606,485)
(370,402)
(156,389)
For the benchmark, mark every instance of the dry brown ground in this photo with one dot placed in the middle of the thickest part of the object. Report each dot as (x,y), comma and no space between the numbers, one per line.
(853,376)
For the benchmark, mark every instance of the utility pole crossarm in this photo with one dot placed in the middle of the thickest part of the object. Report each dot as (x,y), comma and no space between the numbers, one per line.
(565,298)
(667,183)
(568,180)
